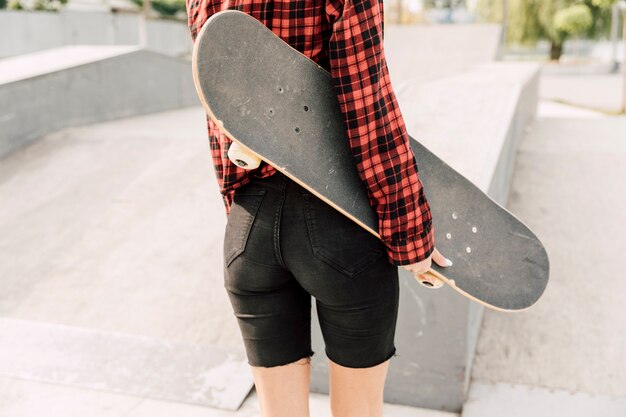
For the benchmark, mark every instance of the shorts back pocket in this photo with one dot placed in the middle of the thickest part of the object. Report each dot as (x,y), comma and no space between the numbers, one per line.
(242,214)
(337,240)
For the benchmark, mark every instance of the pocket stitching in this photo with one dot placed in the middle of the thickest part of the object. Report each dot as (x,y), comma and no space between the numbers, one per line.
(244,230)
(321,253)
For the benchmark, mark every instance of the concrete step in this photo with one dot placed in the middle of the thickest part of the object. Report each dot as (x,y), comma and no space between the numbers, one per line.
(28,31)
(19,398)
(421,52)
(132,365)
(45,91)
(602,92)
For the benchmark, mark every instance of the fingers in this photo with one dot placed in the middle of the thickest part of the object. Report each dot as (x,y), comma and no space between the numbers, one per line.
(423,267)
(420,267)
(440,260)
(420,270)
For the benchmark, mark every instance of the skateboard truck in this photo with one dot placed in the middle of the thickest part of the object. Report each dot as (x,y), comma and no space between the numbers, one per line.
(243,157)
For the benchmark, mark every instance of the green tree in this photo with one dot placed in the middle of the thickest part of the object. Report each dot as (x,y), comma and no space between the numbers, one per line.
(52,5)
(45,5)
(562,19)
(165,7)
(554,20)
(601,15)
(574,20)
(15,5)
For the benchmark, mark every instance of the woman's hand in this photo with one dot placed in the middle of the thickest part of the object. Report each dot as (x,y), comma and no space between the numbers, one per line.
(419,269)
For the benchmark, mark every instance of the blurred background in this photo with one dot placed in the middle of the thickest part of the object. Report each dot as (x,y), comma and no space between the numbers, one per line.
(111,223)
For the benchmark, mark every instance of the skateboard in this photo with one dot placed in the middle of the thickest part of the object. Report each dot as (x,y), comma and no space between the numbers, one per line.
(280,107)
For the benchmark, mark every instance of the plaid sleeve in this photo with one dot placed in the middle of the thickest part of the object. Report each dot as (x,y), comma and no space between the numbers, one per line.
(376,129)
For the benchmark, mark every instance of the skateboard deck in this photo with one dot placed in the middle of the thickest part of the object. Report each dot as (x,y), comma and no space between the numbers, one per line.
(282,107)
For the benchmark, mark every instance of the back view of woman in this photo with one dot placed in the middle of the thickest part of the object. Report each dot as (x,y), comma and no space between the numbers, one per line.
(283,245)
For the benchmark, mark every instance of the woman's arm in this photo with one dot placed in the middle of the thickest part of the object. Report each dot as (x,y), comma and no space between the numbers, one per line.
(376,129)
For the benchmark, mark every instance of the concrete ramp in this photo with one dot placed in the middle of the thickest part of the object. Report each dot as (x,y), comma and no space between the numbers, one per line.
(46,91)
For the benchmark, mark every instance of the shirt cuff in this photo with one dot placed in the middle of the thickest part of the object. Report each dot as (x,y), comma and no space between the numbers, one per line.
(410,251)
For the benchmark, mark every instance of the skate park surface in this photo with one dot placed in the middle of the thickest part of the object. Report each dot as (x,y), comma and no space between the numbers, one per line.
(85,273)
(110,240)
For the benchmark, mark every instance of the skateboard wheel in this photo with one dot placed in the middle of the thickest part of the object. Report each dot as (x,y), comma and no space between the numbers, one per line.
(242,157)
(434,282)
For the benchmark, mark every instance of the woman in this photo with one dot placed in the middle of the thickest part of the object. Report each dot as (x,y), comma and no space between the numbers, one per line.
(283,245)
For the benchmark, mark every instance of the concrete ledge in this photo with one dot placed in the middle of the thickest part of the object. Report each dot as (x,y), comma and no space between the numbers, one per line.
(31,31)
(422,52)
(52,60)
(474,121)
(50,90)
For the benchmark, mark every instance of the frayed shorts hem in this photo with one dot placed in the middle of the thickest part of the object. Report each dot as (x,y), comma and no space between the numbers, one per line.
(263,364)
(362,365)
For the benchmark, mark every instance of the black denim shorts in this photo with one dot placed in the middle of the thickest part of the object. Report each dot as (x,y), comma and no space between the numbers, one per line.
(283,245)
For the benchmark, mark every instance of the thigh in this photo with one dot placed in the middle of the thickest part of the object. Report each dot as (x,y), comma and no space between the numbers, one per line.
(356,288)
(272,309)
(358,319)
(274,320)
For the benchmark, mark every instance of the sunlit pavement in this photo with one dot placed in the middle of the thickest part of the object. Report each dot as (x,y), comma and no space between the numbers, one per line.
(565,355)
(88,211)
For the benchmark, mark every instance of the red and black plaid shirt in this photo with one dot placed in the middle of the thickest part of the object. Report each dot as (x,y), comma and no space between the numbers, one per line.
(345,37)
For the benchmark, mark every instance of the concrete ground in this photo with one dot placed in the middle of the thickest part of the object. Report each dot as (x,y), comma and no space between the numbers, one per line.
(567,352)
(117,227)
(595,91)
(19,398)
(113,227)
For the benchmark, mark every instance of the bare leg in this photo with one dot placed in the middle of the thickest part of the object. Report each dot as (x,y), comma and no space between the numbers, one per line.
(283,391)
(357,392)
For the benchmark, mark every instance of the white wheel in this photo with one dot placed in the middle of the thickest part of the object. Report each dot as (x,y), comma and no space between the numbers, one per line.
(243,157)
(433,282)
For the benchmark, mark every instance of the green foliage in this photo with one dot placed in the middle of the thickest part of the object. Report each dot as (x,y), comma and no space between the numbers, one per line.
(51,5)
(602,3)
(165,7)
(555,20)
(15,5)
(572,21)
(3,4)
(39,5)
(169,7)
(524,24)
(601,13)
(546,9)
(489,11)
